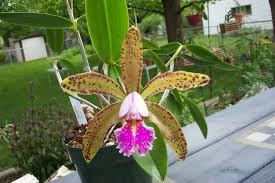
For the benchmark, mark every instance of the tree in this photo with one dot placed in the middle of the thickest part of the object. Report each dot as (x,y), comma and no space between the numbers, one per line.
(272,5)
(171,10)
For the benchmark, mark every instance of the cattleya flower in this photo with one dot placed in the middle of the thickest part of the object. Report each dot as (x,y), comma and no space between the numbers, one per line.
(134,136)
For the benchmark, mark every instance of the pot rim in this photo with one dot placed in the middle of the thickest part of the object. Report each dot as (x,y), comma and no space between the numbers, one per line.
(67,145)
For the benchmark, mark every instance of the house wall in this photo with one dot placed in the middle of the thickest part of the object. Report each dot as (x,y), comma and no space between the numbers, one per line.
(260,12)
(34,48)
(18,52)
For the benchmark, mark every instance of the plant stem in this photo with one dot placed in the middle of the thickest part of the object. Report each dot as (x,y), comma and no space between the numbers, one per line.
(171,64)
(172,59)
(86,66)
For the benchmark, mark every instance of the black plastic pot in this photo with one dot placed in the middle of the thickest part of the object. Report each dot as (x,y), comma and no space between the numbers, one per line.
(108,166)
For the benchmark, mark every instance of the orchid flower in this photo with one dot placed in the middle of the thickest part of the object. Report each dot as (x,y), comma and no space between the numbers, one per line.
(134,136)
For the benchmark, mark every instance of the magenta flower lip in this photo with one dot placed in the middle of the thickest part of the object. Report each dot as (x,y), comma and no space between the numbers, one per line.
(134,136)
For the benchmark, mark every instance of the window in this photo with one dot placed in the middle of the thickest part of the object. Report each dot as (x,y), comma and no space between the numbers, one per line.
(246,10)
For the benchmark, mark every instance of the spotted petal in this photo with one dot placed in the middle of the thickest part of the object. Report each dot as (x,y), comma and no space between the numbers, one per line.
(131,60)
(180,80)
(92,83)
(97,130)
(169,128)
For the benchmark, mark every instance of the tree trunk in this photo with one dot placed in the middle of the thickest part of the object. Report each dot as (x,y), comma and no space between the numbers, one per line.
(272,5)
(173,20)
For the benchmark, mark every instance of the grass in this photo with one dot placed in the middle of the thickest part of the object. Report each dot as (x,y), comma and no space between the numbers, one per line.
(15,92)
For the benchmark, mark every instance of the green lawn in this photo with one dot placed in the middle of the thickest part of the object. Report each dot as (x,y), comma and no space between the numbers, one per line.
(15,92)
(17,80)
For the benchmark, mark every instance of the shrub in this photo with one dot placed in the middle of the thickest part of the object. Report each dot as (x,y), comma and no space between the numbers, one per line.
(69,53)
(1,43)
(37,143)
(2,57)
(258,71)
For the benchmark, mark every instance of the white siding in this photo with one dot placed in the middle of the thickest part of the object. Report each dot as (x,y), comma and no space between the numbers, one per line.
(260,12)
(34,48)
(18,52)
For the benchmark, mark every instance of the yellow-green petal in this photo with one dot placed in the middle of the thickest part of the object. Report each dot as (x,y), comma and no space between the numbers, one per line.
(169,127)
(97,129)
(180,80)
(132,60)
(92,83)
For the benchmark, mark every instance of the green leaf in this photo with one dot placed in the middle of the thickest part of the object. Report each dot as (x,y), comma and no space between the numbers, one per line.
(107,23)
(156,162)
(210,57)
(94,60)
(157,60)
(174,106)
(197,115)
(177,98)
(113,72)
(169,48)
(148,44)
(66,63)
(55,39)
(202,53)
(41,20)
(81,18)
(196,61)
(148,165)
(227,67)
(159,152)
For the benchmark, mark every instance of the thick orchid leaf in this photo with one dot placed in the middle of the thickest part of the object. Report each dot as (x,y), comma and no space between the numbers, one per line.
(108,22)
(169,128)
(180,80)
(97,129)
(159,152)
(148,44)
(92,83)
(67,64)
(94,60)
(81,18)
(41,20)
(55,37)
(155,163)
(196,61)
(174,106)
(132,60)
(114,72)
(227,67)
(157,60)
(148,165)
(169,48)
(197,115)
(210,57)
